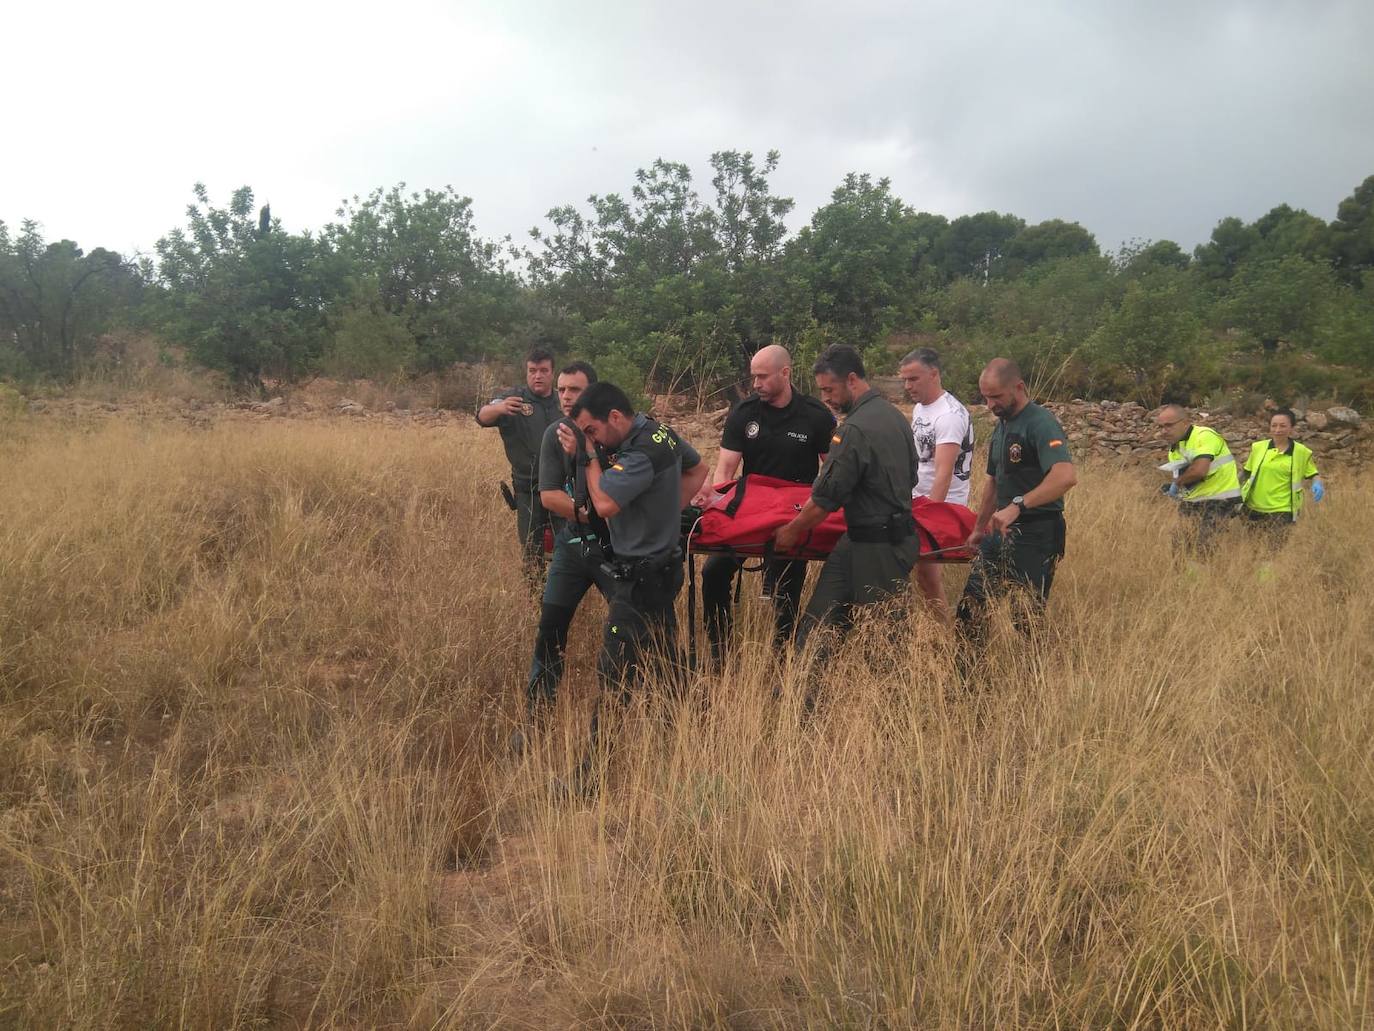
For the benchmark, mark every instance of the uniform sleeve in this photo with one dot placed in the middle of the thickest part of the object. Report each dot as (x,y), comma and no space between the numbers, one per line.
(732,437)
(1050,442)
(691,458)
(1209,444)
(628,478)
(843,468)
(994,445)
(504,418)
(551,466)
(823,430)
(1249,466)
(1309,468)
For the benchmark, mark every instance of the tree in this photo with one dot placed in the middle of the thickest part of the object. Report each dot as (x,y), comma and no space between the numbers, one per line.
(1143,257)
(973,244)
(682,289)
(1231,243)
(1352,233)
(1047,241)
(421,253)
(242,301)
(56,300)
(1156,335)
(1281,299)
(862,253)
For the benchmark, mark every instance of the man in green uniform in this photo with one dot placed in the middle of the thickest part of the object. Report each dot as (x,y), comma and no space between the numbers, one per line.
(579,542)
(650,475)
(1019,532)
(1205,480)
(870,473)
(522,414)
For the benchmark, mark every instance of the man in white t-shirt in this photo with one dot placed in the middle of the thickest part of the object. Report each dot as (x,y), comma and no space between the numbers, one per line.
(943,433)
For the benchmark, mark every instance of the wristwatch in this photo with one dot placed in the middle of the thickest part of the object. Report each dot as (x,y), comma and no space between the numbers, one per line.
(1020,502)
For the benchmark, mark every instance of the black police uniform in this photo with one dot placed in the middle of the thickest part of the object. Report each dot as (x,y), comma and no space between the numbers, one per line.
(870,472)
(786,443)
(580,553)
(521,435)
(1023,450)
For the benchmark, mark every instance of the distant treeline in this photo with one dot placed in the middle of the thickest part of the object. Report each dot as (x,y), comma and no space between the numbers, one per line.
(669,285)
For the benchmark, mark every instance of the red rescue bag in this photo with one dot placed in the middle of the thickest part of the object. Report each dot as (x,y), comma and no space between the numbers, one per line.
(745,513)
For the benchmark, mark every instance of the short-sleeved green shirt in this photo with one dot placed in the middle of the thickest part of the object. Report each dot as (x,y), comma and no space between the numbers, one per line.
(1023,449)
(1277,476)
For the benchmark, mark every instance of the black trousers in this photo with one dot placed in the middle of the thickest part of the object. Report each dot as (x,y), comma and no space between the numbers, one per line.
(640,619)
(640,622)
(576,568)
(531,518)
(853,576)
(1210,517)
(1024,559)
(787,579)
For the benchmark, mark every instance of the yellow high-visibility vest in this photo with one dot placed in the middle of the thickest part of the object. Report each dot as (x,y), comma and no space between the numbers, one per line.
(1276,480)
(1221,481)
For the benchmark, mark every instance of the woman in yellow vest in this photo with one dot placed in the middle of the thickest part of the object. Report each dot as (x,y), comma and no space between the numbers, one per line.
(1276,472)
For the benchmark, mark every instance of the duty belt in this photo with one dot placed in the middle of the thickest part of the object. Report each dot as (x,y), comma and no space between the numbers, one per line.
(897,528)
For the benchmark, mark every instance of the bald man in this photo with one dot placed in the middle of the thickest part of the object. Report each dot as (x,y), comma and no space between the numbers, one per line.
(1019,532)
(776,431)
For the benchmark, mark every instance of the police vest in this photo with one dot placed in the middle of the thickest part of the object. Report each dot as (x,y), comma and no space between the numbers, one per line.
(1221,482)
(1302,454)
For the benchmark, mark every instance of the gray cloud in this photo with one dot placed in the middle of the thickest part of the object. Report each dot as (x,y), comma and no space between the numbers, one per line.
(1137,120)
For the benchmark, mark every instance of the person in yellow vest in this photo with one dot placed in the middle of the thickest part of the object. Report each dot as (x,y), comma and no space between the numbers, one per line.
(1203,470)
(1276,472)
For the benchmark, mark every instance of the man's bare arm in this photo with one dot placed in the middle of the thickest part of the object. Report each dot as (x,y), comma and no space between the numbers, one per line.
(945,456)
(490,414)
(812,515)
(693,480)
(559,503)
(1196,472)
(727,463)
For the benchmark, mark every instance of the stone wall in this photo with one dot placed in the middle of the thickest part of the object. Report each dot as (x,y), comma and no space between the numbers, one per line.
(1111,429)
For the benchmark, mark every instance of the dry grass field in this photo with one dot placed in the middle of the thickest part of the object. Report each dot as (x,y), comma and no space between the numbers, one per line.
(256,683)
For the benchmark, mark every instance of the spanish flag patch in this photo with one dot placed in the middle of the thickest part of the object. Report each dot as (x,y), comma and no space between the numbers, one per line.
(618,467)
(1056,443)
(835,439)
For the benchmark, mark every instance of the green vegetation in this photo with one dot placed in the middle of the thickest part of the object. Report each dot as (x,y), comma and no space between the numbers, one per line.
(675,288)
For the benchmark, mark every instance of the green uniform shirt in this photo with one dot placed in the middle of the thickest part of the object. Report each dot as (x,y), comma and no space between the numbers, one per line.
(1276,477)
(522,434)
(871,469)
(1024,448)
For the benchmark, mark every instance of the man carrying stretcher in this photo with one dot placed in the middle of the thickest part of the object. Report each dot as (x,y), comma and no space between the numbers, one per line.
(870,473)
(778,432)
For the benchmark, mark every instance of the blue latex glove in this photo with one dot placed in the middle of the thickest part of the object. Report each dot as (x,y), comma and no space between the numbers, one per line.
(1173,489)
(1318,491)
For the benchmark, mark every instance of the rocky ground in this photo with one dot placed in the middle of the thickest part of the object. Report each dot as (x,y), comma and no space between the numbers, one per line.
(1107,429)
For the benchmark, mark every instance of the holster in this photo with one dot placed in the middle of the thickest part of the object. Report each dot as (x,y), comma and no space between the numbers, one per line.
(508,495)
(638,570)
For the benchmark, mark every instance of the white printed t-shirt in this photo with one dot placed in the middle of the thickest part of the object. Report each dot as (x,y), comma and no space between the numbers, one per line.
(943,421)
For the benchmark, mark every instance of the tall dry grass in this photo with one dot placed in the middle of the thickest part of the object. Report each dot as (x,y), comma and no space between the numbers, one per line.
(256,681)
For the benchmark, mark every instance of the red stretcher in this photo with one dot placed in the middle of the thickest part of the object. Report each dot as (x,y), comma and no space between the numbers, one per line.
(742,518)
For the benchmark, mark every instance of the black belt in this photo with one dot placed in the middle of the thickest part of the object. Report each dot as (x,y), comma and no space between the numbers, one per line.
(643,568)
(897,529)
(1041,515)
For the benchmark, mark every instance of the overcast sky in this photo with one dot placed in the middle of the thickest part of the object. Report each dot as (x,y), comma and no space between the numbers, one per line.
(1148,120)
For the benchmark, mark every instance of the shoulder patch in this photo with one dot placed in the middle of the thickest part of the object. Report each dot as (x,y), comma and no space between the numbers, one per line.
(618,467)
(835,439)
(1056,443)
